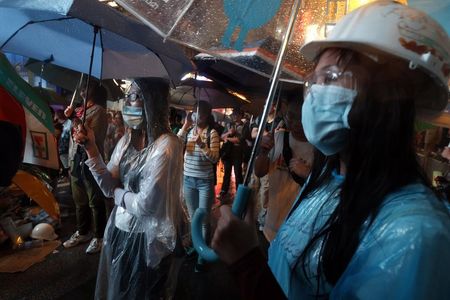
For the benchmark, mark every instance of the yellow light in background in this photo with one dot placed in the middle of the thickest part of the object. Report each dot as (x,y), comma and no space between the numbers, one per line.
(19,241)
(228,111)
(240,96)
(336,9)
(354,4)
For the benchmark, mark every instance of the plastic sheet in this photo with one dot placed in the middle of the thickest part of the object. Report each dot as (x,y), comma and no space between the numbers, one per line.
(141,233)
(402,255)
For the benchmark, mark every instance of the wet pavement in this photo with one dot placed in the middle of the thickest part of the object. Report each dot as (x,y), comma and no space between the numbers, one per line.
(71,273)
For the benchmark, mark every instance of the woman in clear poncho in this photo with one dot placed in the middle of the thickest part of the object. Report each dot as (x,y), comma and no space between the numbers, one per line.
(144,178)
(367,224)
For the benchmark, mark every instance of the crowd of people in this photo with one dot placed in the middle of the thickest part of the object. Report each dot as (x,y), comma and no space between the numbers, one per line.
(131,157)
(337,189)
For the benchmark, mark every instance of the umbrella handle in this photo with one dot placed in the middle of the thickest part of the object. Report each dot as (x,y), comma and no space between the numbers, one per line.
(238,209)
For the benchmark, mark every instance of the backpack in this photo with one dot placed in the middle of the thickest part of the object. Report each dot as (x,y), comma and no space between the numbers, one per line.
(208,141)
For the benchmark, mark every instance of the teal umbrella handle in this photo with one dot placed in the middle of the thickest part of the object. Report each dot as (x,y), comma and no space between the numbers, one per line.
(238,208)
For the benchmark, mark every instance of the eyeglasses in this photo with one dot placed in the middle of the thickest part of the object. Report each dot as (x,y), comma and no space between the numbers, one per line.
(329,76)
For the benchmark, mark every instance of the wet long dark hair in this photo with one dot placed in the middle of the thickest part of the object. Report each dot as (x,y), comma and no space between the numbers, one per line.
(155,92)
(380,158)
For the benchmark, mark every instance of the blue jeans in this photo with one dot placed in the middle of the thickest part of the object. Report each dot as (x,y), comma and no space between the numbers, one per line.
(199,192)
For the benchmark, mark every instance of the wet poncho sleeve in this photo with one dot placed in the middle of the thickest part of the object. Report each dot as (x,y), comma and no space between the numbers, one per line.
(162,167)
(107,176)
(403,255)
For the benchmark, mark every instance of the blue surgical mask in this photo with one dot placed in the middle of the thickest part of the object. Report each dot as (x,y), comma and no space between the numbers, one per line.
(325,117)
(133,116)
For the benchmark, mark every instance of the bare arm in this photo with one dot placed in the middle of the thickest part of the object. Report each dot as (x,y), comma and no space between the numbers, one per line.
(254,132)
(262,161)
(182,133)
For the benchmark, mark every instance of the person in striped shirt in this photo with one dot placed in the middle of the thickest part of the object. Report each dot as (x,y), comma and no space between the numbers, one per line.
(201,154)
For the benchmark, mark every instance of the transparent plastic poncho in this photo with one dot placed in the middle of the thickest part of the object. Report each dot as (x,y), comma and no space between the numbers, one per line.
(403,254)
(140,232)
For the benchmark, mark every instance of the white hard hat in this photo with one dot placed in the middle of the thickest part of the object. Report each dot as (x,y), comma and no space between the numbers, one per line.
(44,231)
(398,30)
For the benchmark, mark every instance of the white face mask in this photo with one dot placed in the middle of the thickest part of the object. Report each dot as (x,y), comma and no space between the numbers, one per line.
(325,117)
(133,116)
(194,117)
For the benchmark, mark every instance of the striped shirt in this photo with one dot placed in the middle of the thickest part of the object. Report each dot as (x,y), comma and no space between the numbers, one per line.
(200,162)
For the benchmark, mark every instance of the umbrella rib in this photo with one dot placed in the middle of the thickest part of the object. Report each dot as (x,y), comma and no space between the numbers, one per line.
(102,49)
(181,98)
(162,62)
(30,23)
(185,9)
(207,94)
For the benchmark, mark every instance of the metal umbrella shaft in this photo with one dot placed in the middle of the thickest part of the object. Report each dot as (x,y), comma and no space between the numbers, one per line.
(77,90)
(89,74)
(198,103)
(243,191)
(277,108)
(272,90)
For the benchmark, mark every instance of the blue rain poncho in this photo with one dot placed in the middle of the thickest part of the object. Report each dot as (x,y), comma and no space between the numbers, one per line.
(403,254)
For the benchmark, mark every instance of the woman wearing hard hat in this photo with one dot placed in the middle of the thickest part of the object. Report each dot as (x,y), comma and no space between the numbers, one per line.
(367,223)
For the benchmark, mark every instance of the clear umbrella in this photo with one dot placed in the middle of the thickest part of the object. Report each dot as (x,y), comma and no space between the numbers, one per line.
(246,32)
(259,19)
(237,30)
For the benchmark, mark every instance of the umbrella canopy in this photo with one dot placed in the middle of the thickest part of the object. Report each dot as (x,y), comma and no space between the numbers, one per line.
(191,91)
(68,79)
(272,31)
(252,85)
(50,96)
(62,32)
(250,33)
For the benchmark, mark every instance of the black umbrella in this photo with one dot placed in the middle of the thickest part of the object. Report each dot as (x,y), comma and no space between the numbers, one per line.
(191,91)
(247,82)
(69,79)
